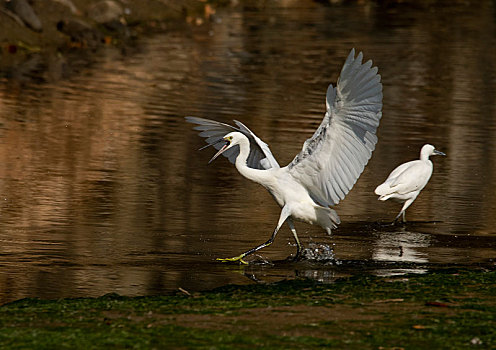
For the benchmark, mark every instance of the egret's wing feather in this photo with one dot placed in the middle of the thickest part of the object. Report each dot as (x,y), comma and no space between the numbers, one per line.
(260,156)
(395,176)
(334,157)
(412,177)
(389,185)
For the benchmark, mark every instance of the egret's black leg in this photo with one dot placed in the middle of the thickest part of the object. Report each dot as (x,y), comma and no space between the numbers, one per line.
(284,215)
(397,218)
(299,247)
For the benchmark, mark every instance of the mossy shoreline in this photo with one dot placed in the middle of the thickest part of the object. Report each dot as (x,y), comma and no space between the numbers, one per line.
(449,309)
(72,28)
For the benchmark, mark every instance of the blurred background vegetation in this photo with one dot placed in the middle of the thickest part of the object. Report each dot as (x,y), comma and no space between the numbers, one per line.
(51,26)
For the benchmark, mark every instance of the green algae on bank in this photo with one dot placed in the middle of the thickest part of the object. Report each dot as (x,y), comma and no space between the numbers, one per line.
(445,310)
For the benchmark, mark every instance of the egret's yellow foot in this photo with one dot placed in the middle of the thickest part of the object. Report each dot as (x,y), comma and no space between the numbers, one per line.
(236,258)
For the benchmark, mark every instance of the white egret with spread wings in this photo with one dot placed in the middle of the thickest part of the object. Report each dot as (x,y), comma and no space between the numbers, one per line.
(328,165)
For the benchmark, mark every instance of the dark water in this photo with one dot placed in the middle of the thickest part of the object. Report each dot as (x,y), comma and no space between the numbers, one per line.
(103,190)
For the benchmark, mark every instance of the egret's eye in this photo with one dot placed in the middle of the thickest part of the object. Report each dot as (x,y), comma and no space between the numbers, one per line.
(229,138)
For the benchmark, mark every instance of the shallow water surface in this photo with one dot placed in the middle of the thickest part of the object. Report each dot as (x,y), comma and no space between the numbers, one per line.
(103,190)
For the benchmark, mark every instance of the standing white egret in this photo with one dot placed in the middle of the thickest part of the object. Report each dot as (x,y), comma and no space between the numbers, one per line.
(408,179)
(328,165)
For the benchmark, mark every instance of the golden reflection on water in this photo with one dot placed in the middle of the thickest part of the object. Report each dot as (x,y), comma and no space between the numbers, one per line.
(102,189)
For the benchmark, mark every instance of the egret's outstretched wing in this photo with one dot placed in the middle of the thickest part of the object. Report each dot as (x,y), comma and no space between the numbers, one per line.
(260,155)
(334,157)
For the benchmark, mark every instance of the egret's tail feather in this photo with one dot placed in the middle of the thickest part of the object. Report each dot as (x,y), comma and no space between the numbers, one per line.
(334,217)
(385,197)
(383,190)
(328,218)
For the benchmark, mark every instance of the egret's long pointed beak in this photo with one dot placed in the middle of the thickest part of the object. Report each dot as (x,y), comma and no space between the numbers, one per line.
(439,153)
(211,144)
(219,153)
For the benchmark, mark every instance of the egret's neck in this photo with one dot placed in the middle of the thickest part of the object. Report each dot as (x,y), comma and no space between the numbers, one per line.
(255,175)
(424,155)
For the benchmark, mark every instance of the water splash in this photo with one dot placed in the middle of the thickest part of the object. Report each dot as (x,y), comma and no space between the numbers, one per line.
(260,260)
(319,252)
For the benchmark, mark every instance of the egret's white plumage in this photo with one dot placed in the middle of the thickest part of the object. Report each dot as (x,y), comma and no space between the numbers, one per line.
(408,179)
(328,165)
